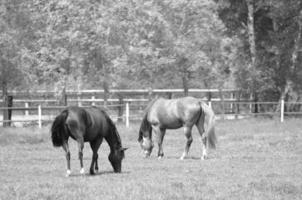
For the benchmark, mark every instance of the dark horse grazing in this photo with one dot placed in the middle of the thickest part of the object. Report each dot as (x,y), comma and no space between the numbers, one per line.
(162,114)
(87,125)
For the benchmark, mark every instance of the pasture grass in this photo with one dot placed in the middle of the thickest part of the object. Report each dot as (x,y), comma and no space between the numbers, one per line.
(254,159)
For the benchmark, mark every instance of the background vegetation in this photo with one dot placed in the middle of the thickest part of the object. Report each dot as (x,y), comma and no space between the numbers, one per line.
(253,45)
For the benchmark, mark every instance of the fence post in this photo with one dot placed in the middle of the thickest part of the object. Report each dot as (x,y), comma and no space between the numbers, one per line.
(40,116)
(237,104)
(7,113)
(150,92)
(232,107)
(93,100)
(120,109)
(127,114)
(251,105)
(282,110)
(79,98)
(26,111)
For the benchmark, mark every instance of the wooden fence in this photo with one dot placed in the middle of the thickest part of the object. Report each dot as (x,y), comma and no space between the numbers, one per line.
(126,105)
(132,110)
(30,100)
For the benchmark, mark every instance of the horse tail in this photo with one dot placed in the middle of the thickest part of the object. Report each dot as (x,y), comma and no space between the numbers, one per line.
(58,129)
(210,132)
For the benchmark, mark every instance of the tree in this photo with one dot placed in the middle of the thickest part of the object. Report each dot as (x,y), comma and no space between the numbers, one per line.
(276,36)
(14,36)
(172,42)
(131,43)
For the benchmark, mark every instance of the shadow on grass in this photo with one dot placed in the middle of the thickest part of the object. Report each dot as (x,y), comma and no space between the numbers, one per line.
(97,174)
(187,158)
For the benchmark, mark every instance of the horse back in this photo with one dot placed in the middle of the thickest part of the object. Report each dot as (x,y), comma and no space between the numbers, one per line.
(175,113)
(189,110)
(86,123)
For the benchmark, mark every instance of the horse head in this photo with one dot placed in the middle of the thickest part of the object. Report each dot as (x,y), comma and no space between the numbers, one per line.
(145,137)
(147,146)
(115,157)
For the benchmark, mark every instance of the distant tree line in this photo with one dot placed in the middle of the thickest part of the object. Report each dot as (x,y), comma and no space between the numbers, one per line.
(253,45)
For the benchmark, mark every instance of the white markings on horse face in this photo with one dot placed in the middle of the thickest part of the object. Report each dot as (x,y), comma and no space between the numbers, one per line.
(147,153)
(145,141)
(147,146)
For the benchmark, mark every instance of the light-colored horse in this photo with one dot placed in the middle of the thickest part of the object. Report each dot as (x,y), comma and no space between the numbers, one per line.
(162,114)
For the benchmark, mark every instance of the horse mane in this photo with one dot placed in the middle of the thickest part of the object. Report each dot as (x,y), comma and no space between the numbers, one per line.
(145,125)
(112,129)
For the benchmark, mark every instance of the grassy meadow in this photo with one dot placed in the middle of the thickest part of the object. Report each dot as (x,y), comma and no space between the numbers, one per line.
(255,159)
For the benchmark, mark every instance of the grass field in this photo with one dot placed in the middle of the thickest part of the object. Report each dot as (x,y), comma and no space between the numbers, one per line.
(255,159)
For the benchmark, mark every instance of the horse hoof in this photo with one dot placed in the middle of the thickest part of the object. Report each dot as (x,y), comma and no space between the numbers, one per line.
(93,172)
(68,173)
(160,157)
(82,171)
(203,157)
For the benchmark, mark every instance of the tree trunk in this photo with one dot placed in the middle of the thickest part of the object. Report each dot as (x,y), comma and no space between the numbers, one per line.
(182,65)
(120,108)
(256,105)
(105,71)
(222,104)
(253,53)
(106,89)
(237,109)
(251,32)
(100,64)
(185,84)
(291,71)
(63,99)
(5,103)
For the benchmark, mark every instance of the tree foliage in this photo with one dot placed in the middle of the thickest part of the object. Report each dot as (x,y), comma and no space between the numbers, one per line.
(59,44)
(276,41)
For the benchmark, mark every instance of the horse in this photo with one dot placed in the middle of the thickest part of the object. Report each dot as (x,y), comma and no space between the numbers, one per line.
(87,125)
(162,114)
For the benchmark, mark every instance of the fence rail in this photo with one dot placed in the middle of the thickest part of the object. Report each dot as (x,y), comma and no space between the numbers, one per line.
(121,91)
(130,110)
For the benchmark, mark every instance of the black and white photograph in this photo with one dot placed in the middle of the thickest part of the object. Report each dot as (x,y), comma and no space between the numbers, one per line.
(151,99)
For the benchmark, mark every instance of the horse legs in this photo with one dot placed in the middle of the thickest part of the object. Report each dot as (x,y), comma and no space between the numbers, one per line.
(204,148)
(188,134)
(95,145)
(80,141)
(66,149)
(160,137)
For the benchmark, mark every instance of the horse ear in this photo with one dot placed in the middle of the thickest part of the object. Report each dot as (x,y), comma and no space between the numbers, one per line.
(124,148)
